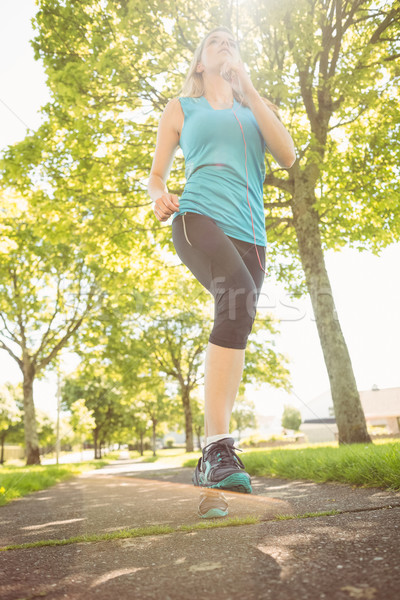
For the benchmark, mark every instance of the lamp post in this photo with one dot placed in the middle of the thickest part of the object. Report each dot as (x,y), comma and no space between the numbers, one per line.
(58,416)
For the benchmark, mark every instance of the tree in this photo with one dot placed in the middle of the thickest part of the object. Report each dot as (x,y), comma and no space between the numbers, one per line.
(198,419)
(141,426)
(102,398)
(152,341)
(154,407)
(82,421)
(46,292)
(84,202)
(46,432)
(291,418)
(10,414)
(325,63)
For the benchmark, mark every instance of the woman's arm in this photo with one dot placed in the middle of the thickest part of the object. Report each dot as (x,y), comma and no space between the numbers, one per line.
(277,138)
(167,142)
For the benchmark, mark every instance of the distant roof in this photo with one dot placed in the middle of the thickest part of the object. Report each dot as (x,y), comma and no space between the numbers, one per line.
(381,403)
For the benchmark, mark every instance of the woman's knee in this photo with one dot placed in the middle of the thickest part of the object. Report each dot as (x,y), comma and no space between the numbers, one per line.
(234,316)
(242,304)
(236,302)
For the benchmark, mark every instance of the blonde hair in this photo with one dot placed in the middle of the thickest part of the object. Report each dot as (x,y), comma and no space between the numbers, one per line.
(193,85)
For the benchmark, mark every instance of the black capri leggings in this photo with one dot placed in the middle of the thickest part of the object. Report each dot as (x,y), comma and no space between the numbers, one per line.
(226,267)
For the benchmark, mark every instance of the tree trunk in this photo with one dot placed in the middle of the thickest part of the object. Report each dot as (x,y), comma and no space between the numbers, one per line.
(141,444)
(188,419)
(349,414)
(198,435)
(2,438)
(154,436)
(95,443)
(30,427)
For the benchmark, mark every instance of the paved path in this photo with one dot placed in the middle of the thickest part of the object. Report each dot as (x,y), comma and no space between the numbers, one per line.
(354,554)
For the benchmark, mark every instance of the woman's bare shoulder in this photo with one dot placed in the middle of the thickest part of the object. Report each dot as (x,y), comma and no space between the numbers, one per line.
(173,103)
(173,107)
(174,113)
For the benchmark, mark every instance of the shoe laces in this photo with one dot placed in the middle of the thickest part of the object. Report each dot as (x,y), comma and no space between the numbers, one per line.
(224,453)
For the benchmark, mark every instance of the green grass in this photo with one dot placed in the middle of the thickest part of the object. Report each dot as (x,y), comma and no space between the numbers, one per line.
(369,465)
(95,537)
(19,481)
(324,513)
(137,532)
(150,459)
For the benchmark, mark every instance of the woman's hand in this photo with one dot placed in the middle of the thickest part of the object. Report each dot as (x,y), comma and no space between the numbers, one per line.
(165,205)
(235,73)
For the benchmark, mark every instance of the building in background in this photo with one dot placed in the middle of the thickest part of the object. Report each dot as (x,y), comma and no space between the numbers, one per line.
(320,430)
(381,409)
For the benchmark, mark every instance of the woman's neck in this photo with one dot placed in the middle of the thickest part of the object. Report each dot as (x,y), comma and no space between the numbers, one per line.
(217,89)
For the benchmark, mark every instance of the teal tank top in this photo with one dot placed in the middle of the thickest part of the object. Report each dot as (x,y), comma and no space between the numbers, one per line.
(213,148)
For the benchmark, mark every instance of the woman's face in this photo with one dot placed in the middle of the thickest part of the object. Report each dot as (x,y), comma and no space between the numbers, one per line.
(219,47)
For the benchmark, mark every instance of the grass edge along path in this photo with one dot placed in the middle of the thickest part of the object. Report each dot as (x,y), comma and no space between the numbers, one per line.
(16,482)
(167,529)
(366,465)
(162,530)
(136,532)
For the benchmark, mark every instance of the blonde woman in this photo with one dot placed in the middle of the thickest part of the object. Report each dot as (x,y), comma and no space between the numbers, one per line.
(218,229)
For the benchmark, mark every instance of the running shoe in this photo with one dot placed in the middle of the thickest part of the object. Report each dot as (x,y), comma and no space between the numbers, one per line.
(221,468)
(212,504)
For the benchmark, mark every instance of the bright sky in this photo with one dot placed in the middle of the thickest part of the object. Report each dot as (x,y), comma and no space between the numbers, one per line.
(366,287)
